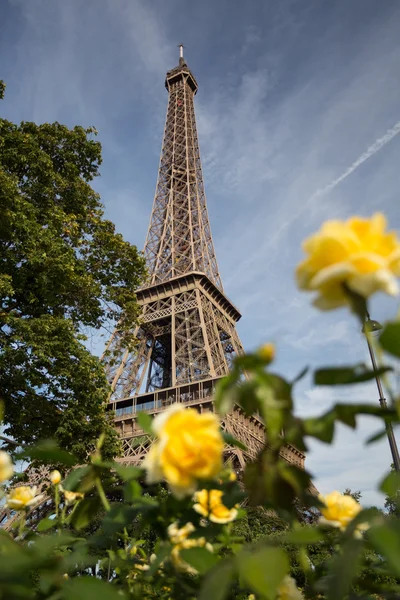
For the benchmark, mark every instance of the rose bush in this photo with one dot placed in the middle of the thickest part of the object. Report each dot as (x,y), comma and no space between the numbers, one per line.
(170,529)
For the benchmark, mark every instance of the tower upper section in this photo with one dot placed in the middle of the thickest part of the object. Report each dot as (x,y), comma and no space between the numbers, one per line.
(182,70)
(179,238)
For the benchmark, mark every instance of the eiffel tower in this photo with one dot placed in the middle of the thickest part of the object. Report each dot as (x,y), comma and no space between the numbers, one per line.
(187,338)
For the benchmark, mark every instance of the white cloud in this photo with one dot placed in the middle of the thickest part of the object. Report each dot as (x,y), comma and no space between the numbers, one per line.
(339,333)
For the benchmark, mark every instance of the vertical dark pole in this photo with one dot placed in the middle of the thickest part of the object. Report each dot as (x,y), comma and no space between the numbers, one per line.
(383,403)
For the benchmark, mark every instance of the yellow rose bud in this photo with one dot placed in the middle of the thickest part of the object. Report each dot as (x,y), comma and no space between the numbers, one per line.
(288,590)
(267,352)
(71,497)
(23,497)
(358,253)
(178,535)
(189,448)
(55,477)
(6,466)
(180,540)
(209,504)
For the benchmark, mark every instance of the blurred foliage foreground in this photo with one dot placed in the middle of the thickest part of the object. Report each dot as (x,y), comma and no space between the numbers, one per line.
(185,525)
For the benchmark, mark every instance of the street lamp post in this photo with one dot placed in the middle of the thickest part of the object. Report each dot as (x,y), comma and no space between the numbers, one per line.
(371,326)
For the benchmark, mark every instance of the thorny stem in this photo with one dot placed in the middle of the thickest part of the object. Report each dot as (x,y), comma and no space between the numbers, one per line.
(57,500)
(109,568)
(21,524)
(126,538)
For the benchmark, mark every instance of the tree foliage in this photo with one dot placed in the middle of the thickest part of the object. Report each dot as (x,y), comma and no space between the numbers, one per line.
(63,268)
(355,495)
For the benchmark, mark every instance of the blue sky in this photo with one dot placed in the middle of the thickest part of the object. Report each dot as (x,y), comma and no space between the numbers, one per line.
(298,113)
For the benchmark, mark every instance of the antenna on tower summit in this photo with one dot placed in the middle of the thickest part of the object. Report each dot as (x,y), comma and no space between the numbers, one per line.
(181,47)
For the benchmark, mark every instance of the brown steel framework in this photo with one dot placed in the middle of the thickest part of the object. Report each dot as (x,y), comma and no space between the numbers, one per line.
(187,337)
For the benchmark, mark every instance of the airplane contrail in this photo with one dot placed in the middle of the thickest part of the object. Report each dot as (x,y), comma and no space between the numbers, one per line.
(373,149)
(273,239)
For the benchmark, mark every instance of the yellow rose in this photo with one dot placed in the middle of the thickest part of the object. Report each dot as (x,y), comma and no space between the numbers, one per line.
(358,253)
(267,352)
(55,477)
(178,535)
(179,539)
(339,510)
(6,466)
(288,590)
(142,567)
(209,504)
(71,497)
(189,447)
(23,497)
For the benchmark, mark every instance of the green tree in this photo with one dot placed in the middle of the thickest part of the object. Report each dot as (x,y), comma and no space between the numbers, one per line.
(355,495)
(392,502)
(63,269)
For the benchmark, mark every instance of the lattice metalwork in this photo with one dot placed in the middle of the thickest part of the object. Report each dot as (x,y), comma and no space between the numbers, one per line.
(187,337)
(179,238)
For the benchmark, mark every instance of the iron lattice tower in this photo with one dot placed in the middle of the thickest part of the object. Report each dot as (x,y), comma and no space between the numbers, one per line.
(187,338)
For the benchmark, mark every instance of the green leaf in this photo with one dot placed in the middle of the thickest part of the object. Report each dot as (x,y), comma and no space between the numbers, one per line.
(162,552)
(145,420)
(48,451)
(118,517)
(232,441)
(344,569)
(224,395)
(391,485)
(264,570)
(217,582)
(199,558)
(86,511)
(346,413)
(132,490)
(46,524)
(366,515)
(376,437)
(127,472)
(322,428)
(246,396)
(82,478)
(389,339)
(300,376)
(346,375)
(386,540)
(83,588)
